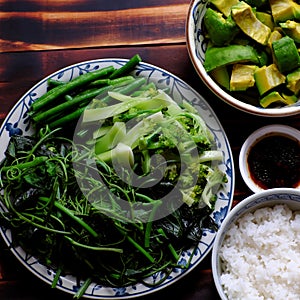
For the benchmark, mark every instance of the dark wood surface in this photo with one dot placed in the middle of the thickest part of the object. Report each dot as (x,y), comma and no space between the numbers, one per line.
(38,37)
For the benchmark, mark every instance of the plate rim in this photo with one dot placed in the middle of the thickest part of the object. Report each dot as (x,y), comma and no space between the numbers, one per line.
(231,188)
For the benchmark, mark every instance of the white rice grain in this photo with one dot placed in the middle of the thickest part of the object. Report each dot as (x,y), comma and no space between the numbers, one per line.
(260,256)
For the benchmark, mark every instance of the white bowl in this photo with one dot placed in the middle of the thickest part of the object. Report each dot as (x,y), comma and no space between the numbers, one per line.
(256,136)
(197,44)
(268,198)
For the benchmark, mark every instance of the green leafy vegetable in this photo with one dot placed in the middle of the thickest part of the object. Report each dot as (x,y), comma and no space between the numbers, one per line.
(137,183)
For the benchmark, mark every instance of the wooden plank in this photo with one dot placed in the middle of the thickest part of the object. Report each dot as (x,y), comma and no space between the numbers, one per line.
(20,71)
(80,5)
(30,31)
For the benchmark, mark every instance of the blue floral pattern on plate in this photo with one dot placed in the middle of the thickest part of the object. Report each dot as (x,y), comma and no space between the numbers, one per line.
(18,122)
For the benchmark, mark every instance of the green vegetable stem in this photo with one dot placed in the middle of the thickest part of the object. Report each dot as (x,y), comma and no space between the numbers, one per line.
(103,208)
(60,90)
(65,101)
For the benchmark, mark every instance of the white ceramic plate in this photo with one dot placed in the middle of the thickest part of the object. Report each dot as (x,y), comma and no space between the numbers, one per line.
(17,122)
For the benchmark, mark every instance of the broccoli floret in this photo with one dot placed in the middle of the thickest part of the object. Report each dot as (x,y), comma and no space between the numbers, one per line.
(172,172)
(215,179)
(203,192)
(163,137)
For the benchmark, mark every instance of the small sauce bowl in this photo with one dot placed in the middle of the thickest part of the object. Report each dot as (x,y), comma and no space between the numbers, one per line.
(270,158)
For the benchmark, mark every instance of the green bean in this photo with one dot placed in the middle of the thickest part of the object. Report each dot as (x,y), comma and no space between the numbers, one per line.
(132,86)
(67,119)
(60,90)
(128,67)
(68,97)
(127,89)
(81,99)
(100,82)
(52,82)
(117,81)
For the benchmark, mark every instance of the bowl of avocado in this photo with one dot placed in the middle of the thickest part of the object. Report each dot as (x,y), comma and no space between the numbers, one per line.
(246,53)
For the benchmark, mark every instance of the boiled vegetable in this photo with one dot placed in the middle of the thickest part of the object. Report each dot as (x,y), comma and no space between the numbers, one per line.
(293,81)
(224,5)
(265,18)
(220,31)
(63,89)
(286,54)
(62,198)
(292,29)
(275,98)
(256,3)
(267,41)
(267,78)
(283,10)
(274,36)
(245,18)
(57,107)
(221,76)
(242,77)
(216,57)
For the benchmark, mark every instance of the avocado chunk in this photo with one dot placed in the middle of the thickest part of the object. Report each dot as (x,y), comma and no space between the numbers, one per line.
(222,56)
(286,54)
(292,29)
(221,31)
(221,76)
(265,18)
(296,7)
(290,99)
(242,77)
(267,78)
(275,98)
(293,81)
(274,36)
(224,6)
(283,10)
(245,18)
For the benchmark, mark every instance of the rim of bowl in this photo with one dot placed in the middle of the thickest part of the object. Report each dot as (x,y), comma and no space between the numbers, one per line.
(253,138)
(250,204)
(215,88)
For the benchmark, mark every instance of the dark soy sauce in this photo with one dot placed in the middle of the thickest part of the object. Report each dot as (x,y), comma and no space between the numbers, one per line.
(274,161)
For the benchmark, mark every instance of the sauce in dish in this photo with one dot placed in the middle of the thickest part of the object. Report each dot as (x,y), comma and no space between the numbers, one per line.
(274,161)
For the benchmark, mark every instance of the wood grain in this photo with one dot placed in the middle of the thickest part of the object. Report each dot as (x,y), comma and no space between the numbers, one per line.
(38,37)
(80,5)
(32,31)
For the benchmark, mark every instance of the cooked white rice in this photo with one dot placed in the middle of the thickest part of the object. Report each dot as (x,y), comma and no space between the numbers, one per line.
(261,255)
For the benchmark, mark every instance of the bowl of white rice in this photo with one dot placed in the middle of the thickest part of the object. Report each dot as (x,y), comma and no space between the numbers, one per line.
(256,253)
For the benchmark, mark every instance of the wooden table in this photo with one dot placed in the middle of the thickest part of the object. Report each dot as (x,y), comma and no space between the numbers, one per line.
(38,37)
